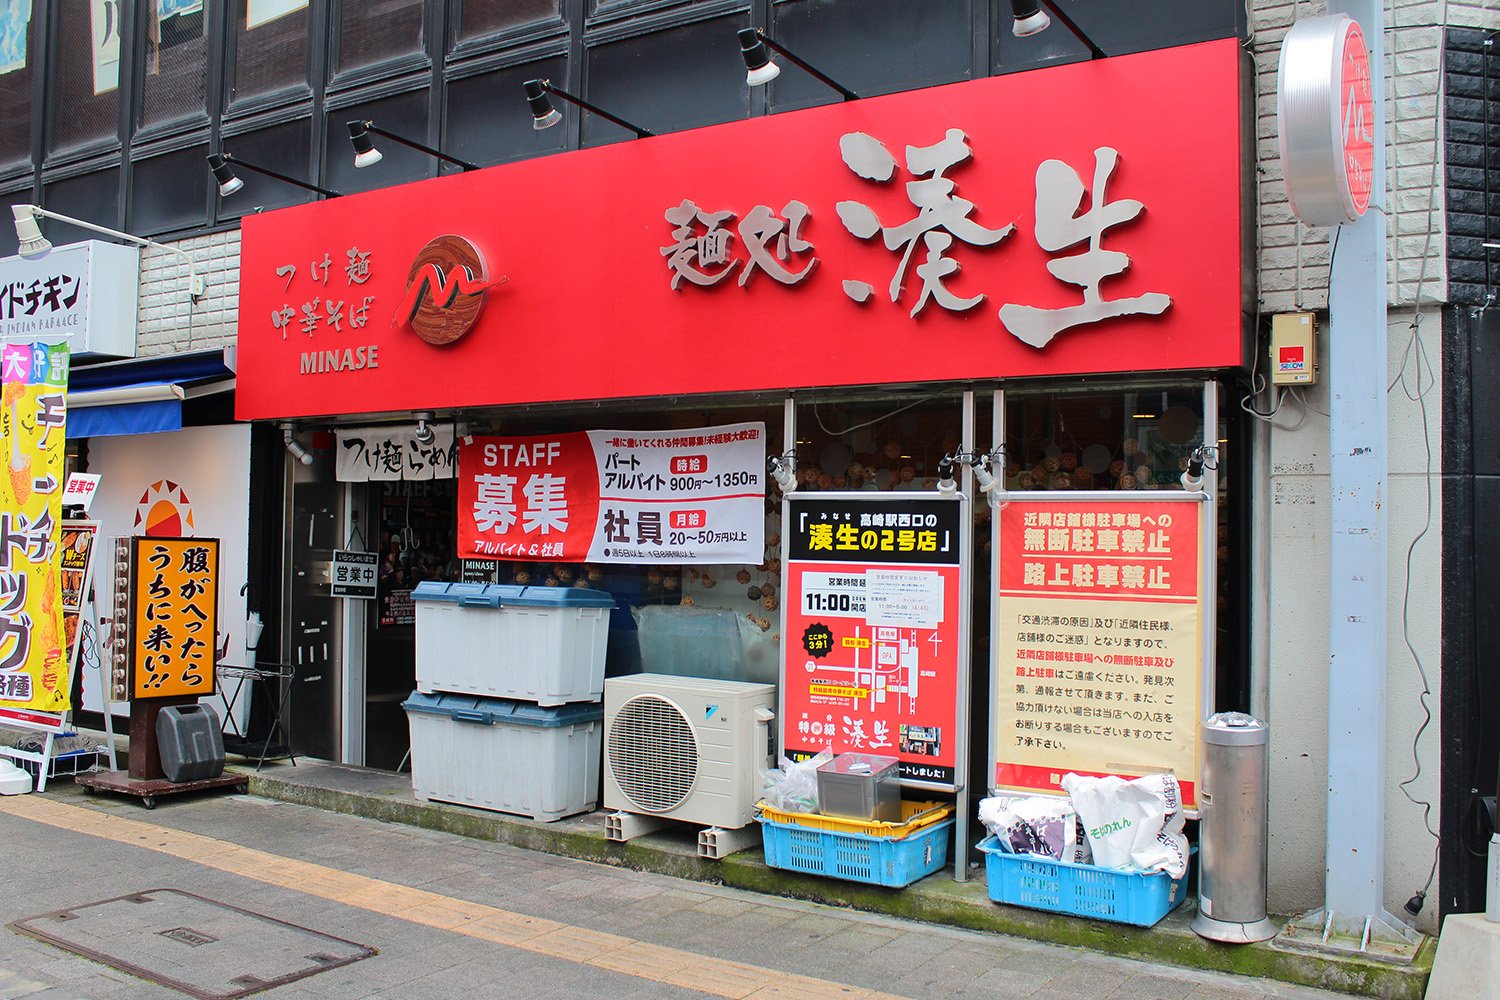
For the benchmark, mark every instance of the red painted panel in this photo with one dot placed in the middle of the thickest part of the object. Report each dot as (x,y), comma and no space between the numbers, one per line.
(588,311)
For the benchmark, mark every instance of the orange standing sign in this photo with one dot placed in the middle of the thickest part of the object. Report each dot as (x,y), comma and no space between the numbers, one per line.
(174,609)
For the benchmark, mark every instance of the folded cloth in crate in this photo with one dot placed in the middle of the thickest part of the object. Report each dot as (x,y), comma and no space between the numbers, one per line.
(1043,825)
(1135,825)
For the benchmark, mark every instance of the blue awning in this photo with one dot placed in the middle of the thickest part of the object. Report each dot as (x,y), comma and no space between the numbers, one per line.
(143,396)
(125,418)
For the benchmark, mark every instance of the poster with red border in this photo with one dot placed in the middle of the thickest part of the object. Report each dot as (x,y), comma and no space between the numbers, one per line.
(609,496)
(1098,640)
(875,638)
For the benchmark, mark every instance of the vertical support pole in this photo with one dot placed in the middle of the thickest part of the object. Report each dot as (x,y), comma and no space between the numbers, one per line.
(963,751)
(1357,540)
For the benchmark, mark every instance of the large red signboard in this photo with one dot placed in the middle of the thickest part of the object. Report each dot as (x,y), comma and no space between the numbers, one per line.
(873,641)
(1075,219)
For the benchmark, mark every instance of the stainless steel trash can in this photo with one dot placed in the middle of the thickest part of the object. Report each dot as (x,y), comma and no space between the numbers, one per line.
(1232,831)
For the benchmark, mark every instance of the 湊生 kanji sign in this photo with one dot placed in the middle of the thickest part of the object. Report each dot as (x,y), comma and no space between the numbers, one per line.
(874,639)
(1072,219)
(691,495)
(1098,640)
(174,614)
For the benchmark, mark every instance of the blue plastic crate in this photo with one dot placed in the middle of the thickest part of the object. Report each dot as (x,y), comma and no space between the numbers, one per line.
(1140,898)
(857,857)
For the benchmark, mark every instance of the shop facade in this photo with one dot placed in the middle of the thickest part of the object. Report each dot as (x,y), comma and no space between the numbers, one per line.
(608,318)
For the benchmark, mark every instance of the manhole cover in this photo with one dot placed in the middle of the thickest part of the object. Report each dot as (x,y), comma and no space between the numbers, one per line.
(203,948)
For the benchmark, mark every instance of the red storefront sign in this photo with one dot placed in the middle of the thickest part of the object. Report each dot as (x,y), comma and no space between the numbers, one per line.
(1075,219)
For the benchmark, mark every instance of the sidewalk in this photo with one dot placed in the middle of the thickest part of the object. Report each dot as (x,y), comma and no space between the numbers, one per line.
(938,899)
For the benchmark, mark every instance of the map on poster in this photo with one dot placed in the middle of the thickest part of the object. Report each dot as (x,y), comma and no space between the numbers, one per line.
(1098,640)
(873,643)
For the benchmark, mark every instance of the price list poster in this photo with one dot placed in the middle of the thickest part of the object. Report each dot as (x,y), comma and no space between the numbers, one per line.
(875,647)
(1098,641)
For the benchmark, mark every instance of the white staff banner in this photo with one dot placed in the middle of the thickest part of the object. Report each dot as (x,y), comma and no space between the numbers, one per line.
(609,496)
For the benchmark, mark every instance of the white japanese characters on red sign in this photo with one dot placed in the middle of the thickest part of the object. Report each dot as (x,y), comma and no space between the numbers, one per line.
(692,495)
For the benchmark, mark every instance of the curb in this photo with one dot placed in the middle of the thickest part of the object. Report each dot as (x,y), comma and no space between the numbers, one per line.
(936,899)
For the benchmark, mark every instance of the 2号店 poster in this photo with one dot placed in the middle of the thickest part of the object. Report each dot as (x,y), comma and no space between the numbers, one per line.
(874,638)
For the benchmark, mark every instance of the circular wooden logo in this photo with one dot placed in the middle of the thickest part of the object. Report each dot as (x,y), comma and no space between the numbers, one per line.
(445,289)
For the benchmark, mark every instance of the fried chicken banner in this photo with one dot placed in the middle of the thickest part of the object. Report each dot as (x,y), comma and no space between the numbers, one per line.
(34,670)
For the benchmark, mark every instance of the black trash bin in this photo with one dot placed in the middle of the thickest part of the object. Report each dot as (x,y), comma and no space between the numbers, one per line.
(191,742)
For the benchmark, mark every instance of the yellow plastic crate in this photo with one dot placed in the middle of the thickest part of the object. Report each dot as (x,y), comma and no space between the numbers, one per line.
(914,815)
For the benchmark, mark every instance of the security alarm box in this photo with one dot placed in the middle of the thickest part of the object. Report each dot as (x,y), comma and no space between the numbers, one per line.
(1294,344)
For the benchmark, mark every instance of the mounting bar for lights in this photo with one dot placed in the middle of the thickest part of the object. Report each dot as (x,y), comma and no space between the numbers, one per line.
(357,132)
(546,116)
(33,243)
(749,37)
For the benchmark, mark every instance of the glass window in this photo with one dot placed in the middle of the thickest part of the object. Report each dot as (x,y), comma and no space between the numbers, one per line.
(15,83)
(270,47)
(890,442)
(175,72)
(170,192)
(87,74)
(373,31)
(482,17)
(1101,440)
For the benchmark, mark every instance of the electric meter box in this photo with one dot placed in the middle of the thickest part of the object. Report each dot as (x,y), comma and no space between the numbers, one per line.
(1294,349)
(541,644)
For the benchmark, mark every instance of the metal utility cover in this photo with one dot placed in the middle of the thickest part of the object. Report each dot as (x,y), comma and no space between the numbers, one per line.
(205,949)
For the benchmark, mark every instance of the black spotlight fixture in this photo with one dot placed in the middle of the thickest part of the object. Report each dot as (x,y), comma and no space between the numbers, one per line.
(760,69)
(365,153)
(219,163)
(544,115)
(1030,18)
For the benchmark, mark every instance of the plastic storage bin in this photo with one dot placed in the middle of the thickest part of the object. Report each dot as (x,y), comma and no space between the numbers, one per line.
(541,644)
(849,853)
(190,741)
(504,755)
(861,786)
(1140,898)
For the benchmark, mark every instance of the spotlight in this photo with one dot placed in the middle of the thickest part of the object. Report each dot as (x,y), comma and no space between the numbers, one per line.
(544,115)
(946,484)
(296,450)
(365,153)
(786,480)
(1030,18)
(761,70)
(1192,479)
(219,163)
(224,174)
(34,244)
(425,434)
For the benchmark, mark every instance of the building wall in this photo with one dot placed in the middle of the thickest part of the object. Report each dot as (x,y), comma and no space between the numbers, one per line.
(1292,641)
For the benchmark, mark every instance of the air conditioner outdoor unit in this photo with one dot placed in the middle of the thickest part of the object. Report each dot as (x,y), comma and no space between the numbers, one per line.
(687,748)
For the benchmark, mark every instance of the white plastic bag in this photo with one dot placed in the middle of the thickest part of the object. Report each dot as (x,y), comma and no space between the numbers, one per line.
(793,787)
(1039,824)
(1132,824)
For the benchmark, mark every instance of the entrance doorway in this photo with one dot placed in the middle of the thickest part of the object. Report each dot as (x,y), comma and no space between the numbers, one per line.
(416,536)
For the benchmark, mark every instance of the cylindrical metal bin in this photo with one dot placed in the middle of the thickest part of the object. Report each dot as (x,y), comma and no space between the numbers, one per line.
(1232,831)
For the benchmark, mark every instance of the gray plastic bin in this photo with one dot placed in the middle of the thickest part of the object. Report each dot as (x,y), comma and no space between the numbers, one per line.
(541,644)
(191,742)
(510,756)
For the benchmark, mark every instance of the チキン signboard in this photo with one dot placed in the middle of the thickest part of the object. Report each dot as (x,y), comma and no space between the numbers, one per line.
(1098,639)
(875,629)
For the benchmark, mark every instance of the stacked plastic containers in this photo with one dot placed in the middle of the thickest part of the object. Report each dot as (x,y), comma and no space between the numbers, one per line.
(508,712)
